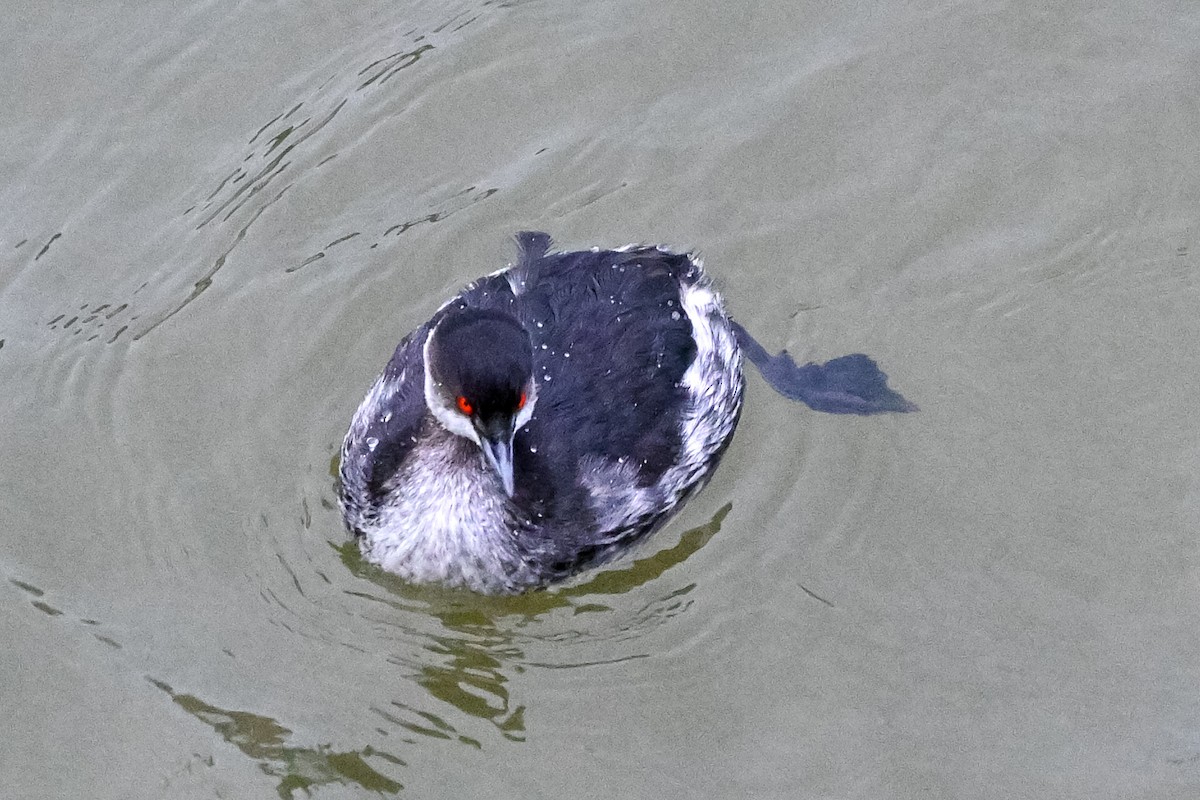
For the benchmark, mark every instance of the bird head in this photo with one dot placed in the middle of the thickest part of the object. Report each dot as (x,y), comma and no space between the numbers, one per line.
(479,382)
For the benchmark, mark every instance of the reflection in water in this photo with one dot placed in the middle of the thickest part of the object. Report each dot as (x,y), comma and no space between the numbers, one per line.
(263,739)
(471,678)
(467,664)
(440,728)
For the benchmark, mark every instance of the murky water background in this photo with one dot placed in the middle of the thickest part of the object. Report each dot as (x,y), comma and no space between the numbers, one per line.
(219,218)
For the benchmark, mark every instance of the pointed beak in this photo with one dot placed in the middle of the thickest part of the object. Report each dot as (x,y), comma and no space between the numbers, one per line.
(496,440)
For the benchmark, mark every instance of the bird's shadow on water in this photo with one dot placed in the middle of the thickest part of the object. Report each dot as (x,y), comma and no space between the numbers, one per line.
(479,643)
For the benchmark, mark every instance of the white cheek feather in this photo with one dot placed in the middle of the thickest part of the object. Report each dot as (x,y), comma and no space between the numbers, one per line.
(446,414)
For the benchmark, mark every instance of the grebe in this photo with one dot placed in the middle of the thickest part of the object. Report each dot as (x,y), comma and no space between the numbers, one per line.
(558,411)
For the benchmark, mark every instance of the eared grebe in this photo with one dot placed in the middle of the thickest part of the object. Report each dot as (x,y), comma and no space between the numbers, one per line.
(555,413)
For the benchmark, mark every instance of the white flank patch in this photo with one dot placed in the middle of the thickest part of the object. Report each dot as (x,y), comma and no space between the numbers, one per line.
(377,399)
(617,501)
(714,383)
(714,380)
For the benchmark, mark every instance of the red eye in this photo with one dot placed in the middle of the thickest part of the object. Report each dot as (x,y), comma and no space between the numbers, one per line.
(464,405)
(521,401)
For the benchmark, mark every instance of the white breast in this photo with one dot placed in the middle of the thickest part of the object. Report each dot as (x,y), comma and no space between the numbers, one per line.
(446,520)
